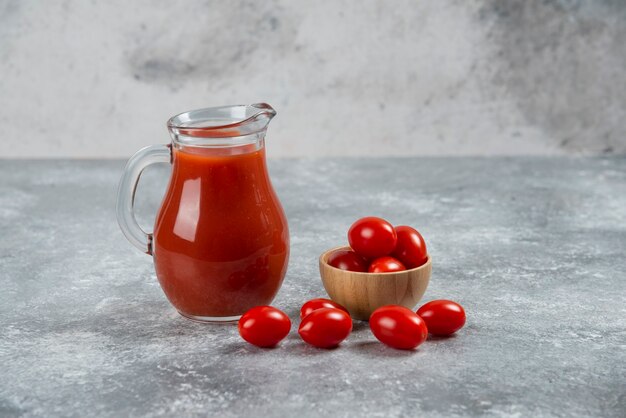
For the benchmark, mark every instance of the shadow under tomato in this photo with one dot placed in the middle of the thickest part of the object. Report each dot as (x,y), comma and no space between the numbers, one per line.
(243,348)
(435,338)
(292,345)
(308,350)
(376,349)
(359,325)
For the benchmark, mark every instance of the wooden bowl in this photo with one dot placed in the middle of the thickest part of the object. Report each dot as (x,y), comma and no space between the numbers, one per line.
(363,293)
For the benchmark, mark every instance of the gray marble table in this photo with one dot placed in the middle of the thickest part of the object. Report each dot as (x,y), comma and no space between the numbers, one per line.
(534,248)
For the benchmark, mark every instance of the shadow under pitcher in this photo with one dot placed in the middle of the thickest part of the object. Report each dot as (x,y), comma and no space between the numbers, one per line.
(221,242)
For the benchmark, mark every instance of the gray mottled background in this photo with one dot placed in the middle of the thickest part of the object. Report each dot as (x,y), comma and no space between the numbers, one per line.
(99,79)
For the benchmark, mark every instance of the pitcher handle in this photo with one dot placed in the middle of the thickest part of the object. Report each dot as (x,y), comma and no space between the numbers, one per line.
(126,193)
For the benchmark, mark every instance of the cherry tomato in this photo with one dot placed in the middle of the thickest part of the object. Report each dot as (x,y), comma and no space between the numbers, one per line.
(386,264)
(443,317)
(264,326)
(372,237)
(410,248)
(325,327)
(398,327)
(347,260)
(315,304)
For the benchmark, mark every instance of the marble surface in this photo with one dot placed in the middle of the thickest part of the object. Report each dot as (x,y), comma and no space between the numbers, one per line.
(532,247)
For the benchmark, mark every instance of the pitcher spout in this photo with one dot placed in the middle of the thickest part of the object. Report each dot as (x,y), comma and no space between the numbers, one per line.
(265,113)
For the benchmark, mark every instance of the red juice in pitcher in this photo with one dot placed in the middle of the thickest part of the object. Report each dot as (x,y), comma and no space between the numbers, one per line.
(221,240)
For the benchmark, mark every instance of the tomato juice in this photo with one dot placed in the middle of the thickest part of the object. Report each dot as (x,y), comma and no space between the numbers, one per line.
(221,240)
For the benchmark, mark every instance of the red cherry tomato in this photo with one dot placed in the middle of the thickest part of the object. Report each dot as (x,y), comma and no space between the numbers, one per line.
(325,327)
(347,260)
(315,304)
(264,326)
(410,248)
(386,264)
(372,237)
(443,317)
(398,327)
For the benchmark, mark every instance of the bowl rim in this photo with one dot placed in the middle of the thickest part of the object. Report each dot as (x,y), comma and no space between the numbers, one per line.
(365,273)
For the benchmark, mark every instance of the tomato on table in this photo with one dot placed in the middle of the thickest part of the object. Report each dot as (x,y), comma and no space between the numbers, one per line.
(264,326)
(325,327)
(347,260)
(319,303)
(372,237)
(386,264)
(398,327)
(443,317)
(411,247)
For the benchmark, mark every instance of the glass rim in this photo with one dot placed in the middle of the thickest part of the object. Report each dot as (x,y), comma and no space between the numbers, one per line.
(240,119)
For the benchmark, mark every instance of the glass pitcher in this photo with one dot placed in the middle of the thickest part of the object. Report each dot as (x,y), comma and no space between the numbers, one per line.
(221,242)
